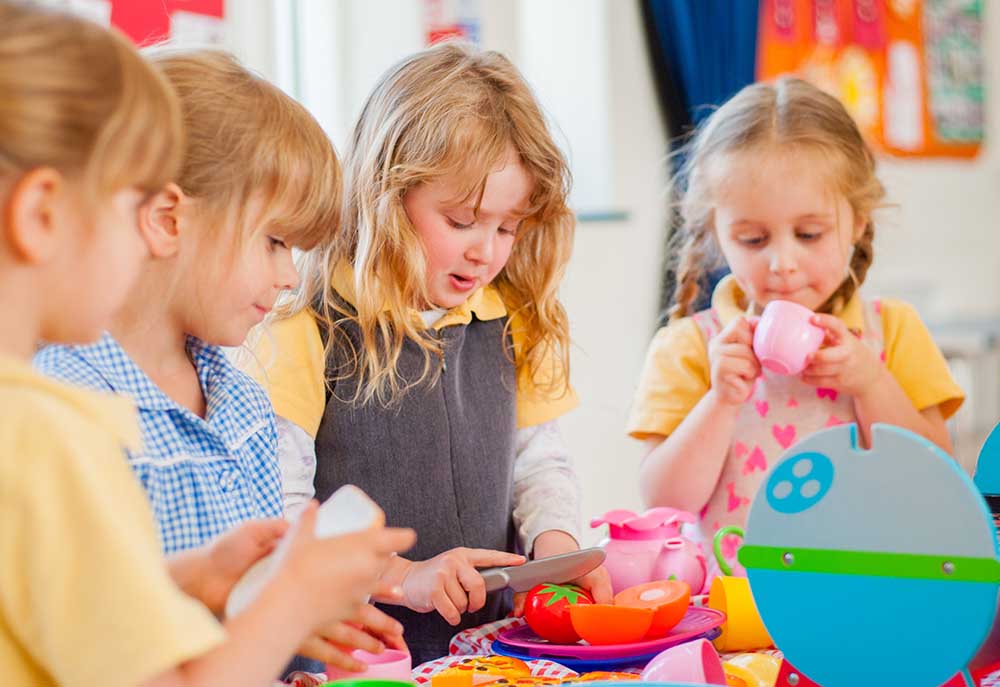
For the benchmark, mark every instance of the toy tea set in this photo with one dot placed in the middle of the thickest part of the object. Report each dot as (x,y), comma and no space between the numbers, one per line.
(868,566)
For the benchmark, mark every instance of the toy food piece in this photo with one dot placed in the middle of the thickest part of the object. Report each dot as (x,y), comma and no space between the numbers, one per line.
(532,681)
(603,624)
(600,676)
(481,670)
(668,599)
(546,610)
(751,670)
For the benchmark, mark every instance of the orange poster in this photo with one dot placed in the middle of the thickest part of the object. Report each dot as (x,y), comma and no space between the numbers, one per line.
(909,71)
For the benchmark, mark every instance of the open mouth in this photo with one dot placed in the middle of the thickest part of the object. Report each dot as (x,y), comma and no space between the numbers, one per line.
(461,282)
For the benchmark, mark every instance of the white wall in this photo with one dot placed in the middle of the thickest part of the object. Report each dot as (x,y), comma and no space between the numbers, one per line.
(612,288)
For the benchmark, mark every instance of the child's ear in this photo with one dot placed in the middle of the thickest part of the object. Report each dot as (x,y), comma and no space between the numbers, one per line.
(159,221)
(31,215)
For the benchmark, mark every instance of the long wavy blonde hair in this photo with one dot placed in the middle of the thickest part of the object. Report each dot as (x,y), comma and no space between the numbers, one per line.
(448,111)
(787,114)
(80,99)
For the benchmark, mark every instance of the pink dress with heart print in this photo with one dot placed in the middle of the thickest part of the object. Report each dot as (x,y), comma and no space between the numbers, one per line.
(782,411)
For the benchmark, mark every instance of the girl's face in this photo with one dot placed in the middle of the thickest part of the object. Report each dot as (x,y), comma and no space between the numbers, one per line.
(785,234)
(465,250)
(236,273)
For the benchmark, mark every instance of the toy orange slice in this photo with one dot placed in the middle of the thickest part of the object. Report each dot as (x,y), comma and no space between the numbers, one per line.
(668,600)
(602,624)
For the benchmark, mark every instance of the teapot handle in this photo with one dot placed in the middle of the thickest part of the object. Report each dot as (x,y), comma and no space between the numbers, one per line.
(724,566)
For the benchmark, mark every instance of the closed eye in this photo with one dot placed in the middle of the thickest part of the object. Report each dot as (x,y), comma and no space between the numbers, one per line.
(752,240)
(456,224)
(809,234)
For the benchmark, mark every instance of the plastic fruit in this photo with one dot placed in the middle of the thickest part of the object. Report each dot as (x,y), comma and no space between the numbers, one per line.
(668,599)
(602,624)
(547,611)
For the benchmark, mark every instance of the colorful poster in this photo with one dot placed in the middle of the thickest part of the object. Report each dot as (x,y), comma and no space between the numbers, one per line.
(447,19)
(909,71)
(151,21)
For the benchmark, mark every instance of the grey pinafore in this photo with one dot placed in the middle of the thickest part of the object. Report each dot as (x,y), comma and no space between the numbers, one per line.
(440,460)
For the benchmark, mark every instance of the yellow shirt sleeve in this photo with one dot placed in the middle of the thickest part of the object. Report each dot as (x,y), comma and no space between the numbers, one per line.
(674,378)
(86,597)
(916,362)
(289,362)
(537,401)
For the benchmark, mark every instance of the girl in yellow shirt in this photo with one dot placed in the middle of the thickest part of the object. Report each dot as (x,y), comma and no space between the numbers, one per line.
(780,184)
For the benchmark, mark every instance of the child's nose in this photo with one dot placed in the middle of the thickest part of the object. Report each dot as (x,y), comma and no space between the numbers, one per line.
(288,275)
(481,249)
(783,260)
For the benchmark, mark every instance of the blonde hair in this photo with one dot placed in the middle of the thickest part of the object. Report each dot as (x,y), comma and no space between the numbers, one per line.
(80,99)
(245,137)
(788,114)
(448,111)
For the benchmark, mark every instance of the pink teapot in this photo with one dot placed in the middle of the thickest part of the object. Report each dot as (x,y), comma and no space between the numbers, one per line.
(649,547)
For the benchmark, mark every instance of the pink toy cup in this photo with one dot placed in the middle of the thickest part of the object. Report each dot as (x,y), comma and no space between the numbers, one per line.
(785,337)
(695,662)
(391,664)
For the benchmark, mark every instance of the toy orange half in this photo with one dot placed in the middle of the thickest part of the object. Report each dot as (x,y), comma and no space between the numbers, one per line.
(668,600)
(601,624)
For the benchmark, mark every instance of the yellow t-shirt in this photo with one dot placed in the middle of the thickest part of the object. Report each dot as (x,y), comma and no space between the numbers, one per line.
(85,595)
(289,362)
(676,374)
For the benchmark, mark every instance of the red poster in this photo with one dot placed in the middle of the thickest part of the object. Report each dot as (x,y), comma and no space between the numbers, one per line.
(185,22)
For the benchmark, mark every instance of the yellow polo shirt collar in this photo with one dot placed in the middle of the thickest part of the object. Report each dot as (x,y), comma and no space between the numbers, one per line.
(485,303)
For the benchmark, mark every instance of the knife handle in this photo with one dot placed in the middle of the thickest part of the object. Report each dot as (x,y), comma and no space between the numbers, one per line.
(495,578)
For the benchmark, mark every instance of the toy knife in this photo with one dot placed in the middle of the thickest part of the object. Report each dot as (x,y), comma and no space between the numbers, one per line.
(554,570)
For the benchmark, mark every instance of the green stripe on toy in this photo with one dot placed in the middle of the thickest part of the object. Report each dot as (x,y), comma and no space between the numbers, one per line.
(875,564)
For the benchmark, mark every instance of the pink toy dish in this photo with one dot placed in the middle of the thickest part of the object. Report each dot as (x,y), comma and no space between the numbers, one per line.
(785,337)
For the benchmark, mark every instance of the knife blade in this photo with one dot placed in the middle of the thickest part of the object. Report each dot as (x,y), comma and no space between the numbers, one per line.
(554,570)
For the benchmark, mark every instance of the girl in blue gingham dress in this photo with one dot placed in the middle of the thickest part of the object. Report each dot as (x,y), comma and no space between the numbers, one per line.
(221,240)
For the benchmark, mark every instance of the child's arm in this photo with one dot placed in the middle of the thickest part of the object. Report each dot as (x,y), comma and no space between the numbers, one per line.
(297,460)
(321,580)
(449,583)
(209,574)
(681,470)
(547,503)
(848,365)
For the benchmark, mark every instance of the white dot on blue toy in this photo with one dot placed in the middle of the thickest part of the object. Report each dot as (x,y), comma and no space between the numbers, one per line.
(874,567)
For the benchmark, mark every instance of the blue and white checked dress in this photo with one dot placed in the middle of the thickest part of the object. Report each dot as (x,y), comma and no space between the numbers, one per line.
(202,476)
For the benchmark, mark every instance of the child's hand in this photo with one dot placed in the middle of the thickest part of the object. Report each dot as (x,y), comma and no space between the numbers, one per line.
(555,542)
(371,631)
(209,573)
(845,363)
(329,580)
(734,367)
(450,584)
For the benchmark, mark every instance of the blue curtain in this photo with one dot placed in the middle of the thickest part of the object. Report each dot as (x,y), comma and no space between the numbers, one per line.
(702,52)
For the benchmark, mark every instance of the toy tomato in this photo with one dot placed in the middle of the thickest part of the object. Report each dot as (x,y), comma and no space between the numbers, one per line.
(547,611)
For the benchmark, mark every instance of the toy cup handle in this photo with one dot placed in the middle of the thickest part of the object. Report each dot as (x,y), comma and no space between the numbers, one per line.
(717,547)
